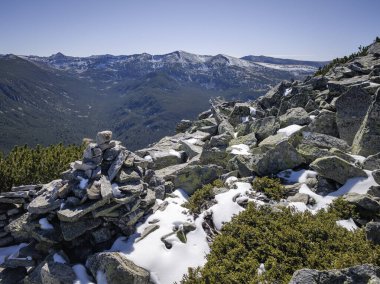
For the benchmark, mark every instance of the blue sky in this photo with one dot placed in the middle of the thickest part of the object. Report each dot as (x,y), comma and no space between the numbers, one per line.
(301,29)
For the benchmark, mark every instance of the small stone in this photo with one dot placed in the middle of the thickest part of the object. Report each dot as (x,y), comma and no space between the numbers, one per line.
(117,268)
(101,235)
(103,137)
(148,230)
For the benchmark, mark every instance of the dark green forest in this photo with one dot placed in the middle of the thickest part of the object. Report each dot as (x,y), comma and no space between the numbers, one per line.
(25,165)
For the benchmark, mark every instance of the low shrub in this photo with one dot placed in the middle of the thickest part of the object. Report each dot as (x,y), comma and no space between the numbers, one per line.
(284,241)
(25,165)
(201,196)
(271,187)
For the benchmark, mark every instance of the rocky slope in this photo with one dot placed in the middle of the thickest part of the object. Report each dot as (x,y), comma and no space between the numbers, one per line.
(140,97)
(117,215)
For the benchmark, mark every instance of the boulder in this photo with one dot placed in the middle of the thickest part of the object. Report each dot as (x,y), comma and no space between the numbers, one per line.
(351,108)
(324,141)
(274,154)
(325,123)
(183,126)
(376,176)
(191,149)
(240,111)
(322,186)
(311,153)
(249,139)
(367,139)
(166,158)
(296,115)
(193,177)
(13,275)
(372,230)
(54,273)
(117,268)
(264,127)
(365,204)
(336,169)
(366,273)
(372,162)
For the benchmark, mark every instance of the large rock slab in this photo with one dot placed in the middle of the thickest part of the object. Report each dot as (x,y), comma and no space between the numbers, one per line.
(351,108)
(48,200)
(324,141)
(372,230)
(55,272)
(372,162)
(116,165)
(336,169)
(193,177)
(367,139)
(74,214)
(71,231)
(325,123)
(366,273)
(117,268)
(296,115)
(264,127)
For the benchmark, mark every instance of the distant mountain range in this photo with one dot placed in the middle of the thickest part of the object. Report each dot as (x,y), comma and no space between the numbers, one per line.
(140,97)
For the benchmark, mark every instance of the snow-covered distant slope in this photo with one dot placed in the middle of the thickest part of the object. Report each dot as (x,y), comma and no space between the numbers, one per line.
(180,65)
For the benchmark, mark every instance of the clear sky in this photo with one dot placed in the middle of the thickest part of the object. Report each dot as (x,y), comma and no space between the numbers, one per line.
(301,29)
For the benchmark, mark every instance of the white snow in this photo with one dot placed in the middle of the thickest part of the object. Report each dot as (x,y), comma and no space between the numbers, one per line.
(287,92)
(11,251)
(167,265)
(83,182)
(358,158)
(81,273)
(261,269)
(240,149)
(289,130)
(252,111)
(101,277)
(312,117)
(58,258)
(45,225)
(175,153)
(289,67)
(354,185)
(347,224)
(230,181)
(116,191)
(291,176)
(148,158)
(245,119)
(226,208)
(192,140)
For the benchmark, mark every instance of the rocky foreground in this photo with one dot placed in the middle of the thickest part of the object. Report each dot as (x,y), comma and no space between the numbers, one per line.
(321,136)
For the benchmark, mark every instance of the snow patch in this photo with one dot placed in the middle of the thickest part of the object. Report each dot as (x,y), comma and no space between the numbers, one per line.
(58,258)
(347,224)
(45,225)
(289,130)
(83,182)
(240,149)
(291,176)
(175,153)
(287,92)
(11,251)
(101,277)
(81,273)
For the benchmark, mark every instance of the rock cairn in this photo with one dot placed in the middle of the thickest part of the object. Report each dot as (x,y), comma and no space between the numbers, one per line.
(100,198)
